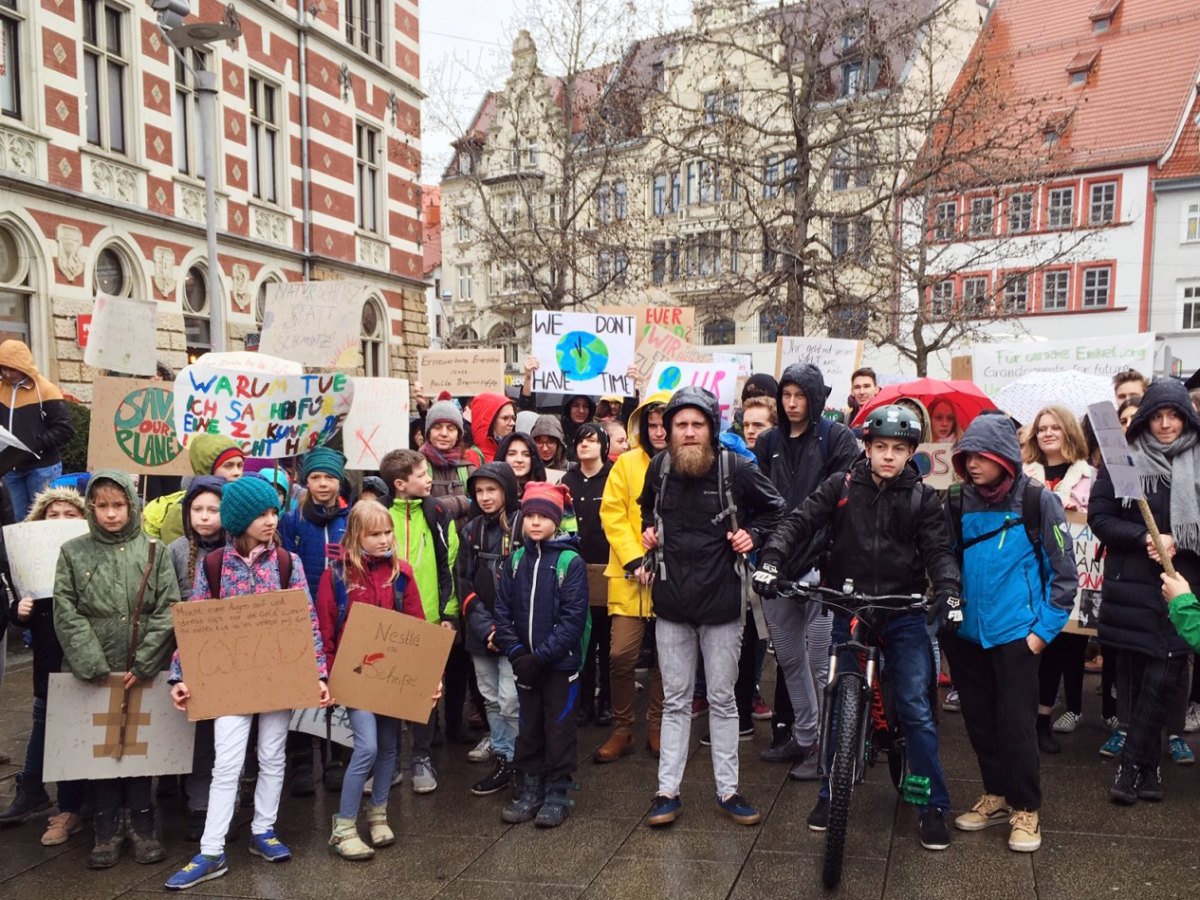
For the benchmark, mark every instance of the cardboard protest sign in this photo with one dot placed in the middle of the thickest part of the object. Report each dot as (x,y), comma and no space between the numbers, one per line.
(33,549)
(247,655)
(660,345)
(1089,564)
(464,373)
(962,368)
(270,416)
(583,353)
(84,730)
(718,381)
(1115,451)
(933,462)
(312,721)
(377,422)
(835,357)
(315,323)
(133,428)
(123,336)
(995,365)
(677,320)
(389,663)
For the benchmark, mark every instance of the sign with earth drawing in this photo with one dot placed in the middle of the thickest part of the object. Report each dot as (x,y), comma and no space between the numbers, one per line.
(583,353)
(133,428)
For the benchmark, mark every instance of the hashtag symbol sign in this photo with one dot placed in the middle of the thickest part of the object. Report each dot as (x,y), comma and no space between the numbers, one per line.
(110,721)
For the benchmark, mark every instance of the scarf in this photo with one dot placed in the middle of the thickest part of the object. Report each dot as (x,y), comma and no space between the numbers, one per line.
(1173,467)
(995,493)
(321,516)
(440,460)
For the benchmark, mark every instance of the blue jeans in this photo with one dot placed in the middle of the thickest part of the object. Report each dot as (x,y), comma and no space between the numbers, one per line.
(910,668)
(499,690)
(24,486)
(374,757)
(70,793)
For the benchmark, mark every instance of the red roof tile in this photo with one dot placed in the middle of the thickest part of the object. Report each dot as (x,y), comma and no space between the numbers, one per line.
(1184,161)
(431,228)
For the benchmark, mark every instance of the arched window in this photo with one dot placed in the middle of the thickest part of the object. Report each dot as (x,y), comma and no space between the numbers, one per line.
(113,274)
(260,300)
(197,327)
(771,324)
(374,339)
(719,331)
(464,336)
(16,286)
(504,337)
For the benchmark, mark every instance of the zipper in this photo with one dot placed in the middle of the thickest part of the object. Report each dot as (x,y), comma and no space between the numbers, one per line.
(533,593)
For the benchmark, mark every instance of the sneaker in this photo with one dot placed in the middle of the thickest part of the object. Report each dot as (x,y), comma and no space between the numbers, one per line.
(424,778)
(759,709)
(664,811)
(1181,753)
(699,707)
(790,751)
(482,752)
(1114,745)
(951,703)
(1149,784)
(60,828)
(1026,834)
(989,810)
(934,833)
(369,784)
(500,779)
(1067,722)
(269,847)
(1191,722)
(739,809)
(1112,723)
(1124,789)
(818,819)
(808,768)
(201,868)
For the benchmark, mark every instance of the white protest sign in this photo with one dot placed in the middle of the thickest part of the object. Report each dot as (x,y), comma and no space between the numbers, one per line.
(88,736)
(837,359)
(252,361)
(717,380)
(315,323)
(933,462)
(8,439)
(377,422)
(583,353)
(312,721)
(742,364)
(123,336)
(1089,565)
(1115,450)
(995,365)
(33,549)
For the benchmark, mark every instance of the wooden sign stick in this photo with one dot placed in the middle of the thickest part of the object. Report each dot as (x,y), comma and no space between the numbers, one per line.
(1156,537)
(119,751)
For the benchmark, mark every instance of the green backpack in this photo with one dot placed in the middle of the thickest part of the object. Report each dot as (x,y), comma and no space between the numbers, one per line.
(560,573)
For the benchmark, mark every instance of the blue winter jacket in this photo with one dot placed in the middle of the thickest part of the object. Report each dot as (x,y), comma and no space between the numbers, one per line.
(533,613)
(313,535)
(1007,595)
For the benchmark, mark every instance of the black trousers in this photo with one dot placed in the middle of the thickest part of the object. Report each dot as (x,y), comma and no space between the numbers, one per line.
(596,665)
(743,688)
(998,688)
(114,794)
(1063,660)
(1153,688)
(459,679)
(546,730)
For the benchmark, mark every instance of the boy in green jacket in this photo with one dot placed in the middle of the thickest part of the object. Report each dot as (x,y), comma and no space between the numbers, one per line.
(1183,609)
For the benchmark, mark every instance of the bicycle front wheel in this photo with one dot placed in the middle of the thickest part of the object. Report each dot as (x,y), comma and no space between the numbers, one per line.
(849,698)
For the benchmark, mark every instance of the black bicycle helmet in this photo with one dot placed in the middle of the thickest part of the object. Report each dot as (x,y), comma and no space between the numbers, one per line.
(892,422)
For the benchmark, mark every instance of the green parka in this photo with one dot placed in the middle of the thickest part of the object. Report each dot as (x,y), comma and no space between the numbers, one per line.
(95,594)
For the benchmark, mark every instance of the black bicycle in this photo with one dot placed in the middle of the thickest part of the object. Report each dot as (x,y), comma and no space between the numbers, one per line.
(858,717)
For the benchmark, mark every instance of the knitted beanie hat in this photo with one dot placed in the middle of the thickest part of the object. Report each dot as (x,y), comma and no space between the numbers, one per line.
(545,499)
(245,500)
(323,459)
(444,411)
(208,452)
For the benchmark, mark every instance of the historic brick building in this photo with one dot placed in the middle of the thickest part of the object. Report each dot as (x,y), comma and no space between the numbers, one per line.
(101,188)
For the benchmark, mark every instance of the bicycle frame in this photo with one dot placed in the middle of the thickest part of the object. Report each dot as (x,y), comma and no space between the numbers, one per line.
(870,653)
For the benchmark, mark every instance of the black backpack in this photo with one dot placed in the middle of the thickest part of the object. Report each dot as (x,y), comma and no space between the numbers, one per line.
(1031,518)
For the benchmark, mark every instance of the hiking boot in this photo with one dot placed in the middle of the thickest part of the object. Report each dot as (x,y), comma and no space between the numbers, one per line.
(1181,753)
(145,837)
(1125,786)
(739,809)
(482,752)
(1114,745)
(381,833)
(1026,834)
(790,751)
(500,778)
(619,743)
(109,828)
(934,833)
(556,806)
(424,777)
(60,828)
(31,797)
(1149,784)
(664,811)
(818,819)
(201,868)
(304,783)
(1067,722)
(989,810)
(527,804)
(345,841)
(808,768)
(269,847)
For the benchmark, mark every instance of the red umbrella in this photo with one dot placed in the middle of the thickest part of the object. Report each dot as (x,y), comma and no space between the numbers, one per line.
(965,396)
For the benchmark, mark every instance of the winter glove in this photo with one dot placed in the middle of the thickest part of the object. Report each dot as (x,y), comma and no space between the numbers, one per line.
(766,581)
(949,612)
(528,670)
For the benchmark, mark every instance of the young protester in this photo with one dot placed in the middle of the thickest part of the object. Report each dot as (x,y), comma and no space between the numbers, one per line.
(1129,383)
(541,619)
(521,453)
(943,422)
(1019,586)
(251,562)
(278,478)
(547,434)
(493,418)
(758,414)
(368,572)
(373,488)
(113,590)
(209,454)
(618,439)
(863,386)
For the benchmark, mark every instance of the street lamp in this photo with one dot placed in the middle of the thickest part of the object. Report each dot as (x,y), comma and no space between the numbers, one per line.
(180,37)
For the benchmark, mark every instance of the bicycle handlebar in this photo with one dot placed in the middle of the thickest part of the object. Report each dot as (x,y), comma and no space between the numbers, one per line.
(856,600)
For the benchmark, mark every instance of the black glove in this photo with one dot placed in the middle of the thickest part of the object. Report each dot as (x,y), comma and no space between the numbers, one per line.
(528,669)
(949,611)
(766,581)
(634,564)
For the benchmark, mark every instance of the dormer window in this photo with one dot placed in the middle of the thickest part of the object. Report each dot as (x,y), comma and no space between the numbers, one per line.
(1102,15)
(1081,65)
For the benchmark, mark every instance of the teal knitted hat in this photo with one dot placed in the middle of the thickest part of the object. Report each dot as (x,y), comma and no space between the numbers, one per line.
(245,500)
(323,459)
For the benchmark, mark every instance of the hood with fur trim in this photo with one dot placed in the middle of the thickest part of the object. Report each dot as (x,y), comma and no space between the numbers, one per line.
(51,495)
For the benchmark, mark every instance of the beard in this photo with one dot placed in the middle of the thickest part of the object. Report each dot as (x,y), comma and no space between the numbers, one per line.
(692,461)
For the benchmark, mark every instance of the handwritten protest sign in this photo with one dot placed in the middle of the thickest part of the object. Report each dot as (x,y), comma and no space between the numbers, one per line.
(720,382)
(83,730)
(464,373)
(132,428)
(122,337)
(389,663)
(933,462)
(247,655)
(661,345)
(377,422)
(583,353)
(247,361)
(995,365)
(1089,564)
(677,320)
(740,363)
(33,549)
(268,415)
(312,721)
(1115,451)
(836,358)
(315,323)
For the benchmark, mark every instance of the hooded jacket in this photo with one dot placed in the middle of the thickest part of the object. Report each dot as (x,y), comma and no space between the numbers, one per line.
(484,544)
(181,548)
(620,515)
(795,466)
(1007,595)
(95,594)
(314,534)
(373,588)
(548,426)
(33,410)
(537,468)
(484,409)
(427,539)
(587,495)
(701,585)
(569,425)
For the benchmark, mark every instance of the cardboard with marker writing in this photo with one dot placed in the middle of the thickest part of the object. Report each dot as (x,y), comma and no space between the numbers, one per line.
(389,663)
(464,373)
(315,323)
(133,428)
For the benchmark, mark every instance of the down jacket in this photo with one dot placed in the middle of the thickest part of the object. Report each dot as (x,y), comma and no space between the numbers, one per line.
(314,534)
(33,410)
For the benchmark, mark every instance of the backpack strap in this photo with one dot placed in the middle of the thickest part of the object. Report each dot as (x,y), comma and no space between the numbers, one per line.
(515,559)
(213,560)
(1031,517)
(283,561)
(341,597)
(954,503)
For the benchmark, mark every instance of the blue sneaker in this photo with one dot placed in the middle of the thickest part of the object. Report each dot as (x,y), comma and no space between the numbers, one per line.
(1181,753)
(201,868)
(739,809)
(1114,745)
(664,811)
(269,847)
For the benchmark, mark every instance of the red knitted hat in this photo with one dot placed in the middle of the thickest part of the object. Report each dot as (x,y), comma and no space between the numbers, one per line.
(545,499)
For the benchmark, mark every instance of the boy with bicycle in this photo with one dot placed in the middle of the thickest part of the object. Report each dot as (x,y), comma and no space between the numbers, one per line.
(887,533)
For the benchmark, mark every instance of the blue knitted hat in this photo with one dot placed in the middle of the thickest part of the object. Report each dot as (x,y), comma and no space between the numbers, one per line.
(323,459)
(245,500)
